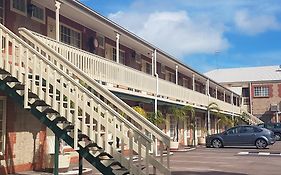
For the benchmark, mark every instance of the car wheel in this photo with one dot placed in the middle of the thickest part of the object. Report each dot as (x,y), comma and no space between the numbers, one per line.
(261,144)
(217,143)
(278,136)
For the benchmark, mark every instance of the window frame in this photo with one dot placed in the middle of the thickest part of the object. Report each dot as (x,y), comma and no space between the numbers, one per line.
(75,30)
(261,92)
(19,11)
(114,55)
(44,13)
(4,120)
(98,35)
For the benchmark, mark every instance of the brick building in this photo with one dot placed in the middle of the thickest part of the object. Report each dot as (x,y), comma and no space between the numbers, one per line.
(260,88)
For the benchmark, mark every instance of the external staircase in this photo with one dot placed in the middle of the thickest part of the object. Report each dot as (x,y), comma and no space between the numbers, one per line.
(54,91)
(249,118)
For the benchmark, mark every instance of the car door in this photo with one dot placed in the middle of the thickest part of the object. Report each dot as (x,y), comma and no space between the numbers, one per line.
(230,137)
(247,135)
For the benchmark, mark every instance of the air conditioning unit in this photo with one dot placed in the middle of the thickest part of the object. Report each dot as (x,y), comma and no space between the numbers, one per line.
(274,107)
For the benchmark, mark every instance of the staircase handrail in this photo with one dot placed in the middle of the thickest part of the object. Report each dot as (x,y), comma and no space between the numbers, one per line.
(19,43)
(102,91)
(59,60)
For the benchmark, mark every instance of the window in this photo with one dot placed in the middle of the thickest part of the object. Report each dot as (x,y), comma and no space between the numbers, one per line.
(185,82)
(121,56)
(245,92)
(261,91)
(232,131)
(100,39)
(2,12)
(2,123)
(246,129)
(70,36)
(170,76)
(19,6)
(146,67)
(38,13)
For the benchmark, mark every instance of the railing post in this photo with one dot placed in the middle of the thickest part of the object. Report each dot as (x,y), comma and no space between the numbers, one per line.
(41,80)
(1,48)
(6,52)
(13,63)
(33,87)
(76,119)
(47,98)
(57,5)
(91,119)
(84,113)
(69,102)
(20,78)
(26,81)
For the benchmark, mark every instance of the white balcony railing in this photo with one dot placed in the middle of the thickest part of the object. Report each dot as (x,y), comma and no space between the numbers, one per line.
(111,72)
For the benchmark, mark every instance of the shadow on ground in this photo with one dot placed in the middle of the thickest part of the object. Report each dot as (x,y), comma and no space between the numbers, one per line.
(205,173)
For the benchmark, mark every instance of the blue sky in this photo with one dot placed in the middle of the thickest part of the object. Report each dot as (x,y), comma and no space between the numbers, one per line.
(204,34)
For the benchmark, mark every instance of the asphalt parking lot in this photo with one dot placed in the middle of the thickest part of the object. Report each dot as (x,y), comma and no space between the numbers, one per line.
(228,161)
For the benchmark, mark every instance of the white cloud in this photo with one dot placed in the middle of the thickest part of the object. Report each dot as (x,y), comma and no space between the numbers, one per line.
(175,32)
(255,24)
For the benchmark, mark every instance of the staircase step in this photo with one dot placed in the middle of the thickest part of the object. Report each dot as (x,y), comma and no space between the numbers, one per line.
(121,171)
(109,162)
(61,120)
(104,156)
(50,111)
(69,128)
(10,79)
(3,72)
(39,103)
(83,136)
(19,87)
(93,145)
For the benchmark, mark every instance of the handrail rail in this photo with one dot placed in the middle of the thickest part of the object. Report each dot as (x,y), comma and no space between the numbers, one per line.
(164,92)
(104,92)
(82,88)
(166,89)
(137,119)
(31,56)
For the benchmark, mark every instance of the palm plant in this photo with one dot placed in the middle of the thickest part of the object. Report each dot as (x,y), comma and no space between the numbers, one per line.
(224,120)
(215,110)
(151,116)
(190,109)
(179,115)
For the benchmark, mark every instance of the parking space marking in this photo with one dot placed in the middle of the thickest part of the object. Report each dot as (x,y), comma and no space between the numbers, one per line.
(259,153)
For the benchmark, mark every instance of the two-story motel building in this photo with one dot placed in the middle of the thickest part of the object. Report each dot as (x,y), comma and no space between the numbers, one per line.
(135,70)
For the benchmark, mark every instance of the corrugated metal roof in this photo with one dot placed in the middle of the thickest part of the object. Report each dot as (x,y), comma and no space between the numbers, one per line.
(247,74)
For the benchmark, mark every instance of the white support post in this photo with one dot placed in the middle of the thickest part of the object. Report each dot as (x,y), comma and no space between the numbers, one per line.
(193,82)
(57,5)
(152,63)
(224,96)
(177,78)
(216,92)
(208,87)
(117,46)
(231,96)
(156,96)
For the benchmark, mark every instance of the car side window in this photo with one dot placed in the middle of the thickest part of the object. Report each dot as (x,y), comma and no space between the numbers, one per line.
(277,125)
(257,130)
(246,129)
(269,126)
(232,131)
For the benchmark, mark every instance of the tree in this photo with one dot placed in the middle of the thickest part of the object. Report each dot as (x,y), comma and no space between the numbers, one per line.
(215,110)
(155,119)
(179,115)
(224,120)
(191,111)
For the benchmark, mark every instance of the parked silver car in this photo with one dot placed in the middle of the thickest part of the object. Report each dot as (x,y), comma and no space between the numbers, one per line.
(242,136)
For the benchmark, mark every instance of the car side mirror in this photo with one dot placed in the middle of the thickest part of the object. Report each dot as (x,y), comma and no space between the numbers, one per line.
(225,133)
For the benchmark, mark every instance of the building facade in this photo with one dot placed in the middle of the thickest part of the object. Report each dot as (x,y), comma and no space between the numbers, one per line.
(259,87)
(133,69)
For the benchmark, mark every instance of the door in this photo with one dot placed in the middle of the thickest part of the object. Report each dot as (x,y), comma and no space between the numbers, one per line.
(51,28)
(231,137)
(247,135)
(2,11)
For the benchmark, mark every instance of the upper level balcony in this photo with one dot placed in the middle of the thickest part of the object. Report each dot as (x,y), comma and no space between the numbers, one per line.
(124,79)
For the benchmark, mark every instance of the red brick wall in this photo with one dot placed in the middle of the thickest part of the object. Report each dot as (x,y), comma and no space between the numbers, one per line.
(14,20)
(24,134)
(279,90)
